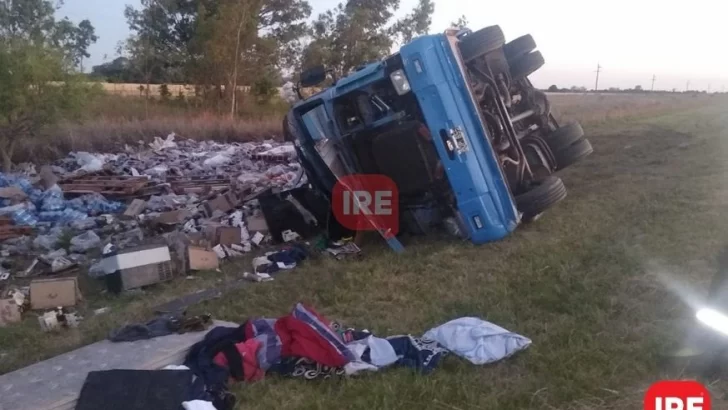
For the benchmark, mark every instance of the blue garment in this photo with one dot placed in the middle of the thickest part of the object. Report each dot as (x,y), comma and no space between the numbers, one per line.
(478,341)
(199,358)
(420,354)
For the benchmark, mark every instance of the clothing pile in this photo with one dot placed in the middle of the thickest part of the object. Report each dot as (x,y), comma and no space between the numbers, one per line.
(307,345)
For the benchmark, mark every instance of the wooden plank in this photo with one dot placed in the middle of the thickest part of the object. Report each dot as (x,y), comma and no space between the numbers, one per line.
(55,384)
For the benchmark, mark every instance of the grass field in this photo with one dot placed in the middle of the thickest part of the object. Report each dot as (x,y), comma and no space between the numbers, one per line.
(583,282)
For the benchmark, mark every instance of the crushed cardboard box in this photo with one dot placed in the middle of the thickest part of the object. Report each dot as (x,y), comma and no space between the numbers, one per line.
(13,193)
(9,312)
(223,235)
(135,208)
(223,203)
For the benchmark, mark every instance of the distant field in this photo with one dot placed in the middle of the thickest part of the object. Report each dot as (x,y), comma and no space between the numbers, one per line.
(133,90)
(602,107)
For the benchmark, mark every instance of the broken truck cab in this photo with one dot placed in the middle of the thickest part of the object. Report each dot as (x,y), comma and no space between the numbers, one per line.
(454,121)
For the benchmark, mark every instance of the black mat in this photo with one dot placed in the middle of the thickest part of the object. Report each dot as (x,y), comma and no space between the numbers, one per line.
(135,390)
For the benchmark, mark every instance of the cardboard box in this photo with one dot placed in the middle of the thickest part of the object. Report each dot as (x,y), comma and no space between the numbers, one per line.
(202,259)
(223,203)
(9,312)
(223,235)
(135,208)
(256,223)
(173,217)
(47,177)
(52,293)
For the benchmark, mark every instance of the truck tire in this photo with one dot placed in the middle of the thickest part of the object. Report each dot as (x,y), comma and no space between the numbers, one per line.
(481,42)
(542,195)
(526,65)
(564,136)
(519,47)
(573,153)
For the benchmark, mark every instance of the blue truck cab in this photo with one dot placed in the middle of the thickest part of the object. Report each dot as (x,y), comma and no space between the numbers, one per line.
(453,120)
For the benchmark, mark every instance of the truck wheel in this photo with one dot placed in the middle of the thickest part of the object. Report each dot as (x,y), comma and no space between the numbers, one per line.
(573,153)
(526,65)
(541,195)
(564,136)
(519,47)
(481,42)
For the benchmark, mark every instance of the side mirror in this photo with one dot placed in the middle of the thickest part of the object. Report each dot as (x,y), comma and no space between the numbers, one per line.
(313,76)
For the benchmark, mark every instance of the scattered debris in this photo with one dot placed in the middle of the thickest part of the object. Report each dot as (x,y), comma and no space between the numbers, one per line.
(343,248)
(101,311)
(59,318)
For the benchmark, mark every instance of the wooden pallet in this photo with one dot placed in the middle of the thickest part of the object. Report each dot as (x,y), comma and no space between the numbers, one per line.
(12,231)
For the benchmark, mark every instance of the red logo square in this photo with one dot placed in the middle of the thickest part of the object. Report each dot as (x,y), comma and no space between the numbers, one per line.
(677,395)
(367,202)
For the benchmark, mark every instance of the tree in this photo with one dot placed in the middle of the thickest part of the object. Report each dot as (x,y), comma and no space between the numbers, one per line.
(460,23)
(638,88)
(33,21)
(553,89)
(31,96)
(38,57)
(204,40)
(361,31)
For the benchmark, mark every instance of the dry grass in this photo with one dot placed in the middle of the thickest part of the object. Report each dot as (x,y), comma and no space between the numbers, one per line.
(113,121)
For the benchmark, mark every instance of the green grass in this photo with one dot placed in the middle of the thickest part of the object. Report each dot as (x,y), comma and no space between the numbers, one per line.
(581,282)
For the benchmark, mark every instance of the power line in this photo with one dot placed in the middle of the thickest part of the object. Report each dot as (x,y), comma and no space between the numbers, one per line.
(653,83)
(596,84)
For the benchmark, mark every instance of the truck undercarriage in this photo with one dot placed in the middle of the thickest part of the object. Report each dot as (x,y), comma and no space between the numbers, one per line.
(383,127)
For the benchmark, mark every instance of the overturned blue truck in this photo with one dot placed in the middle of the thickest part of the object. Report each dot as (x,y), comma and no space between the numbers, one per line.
(454,121)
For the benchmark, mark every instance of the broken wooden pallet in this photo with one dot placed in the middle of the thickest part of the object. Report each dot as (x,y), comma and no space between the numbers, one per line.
(11,231)
(197,186)
(109,185)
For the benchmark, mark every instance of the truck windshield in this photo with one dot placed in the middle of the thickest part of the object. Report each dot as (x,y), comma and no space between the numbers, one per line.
(317,123)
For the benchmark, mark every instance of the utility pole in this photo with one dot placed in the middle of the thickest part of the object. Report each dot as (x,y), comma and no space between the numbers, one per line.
(709,84)
(687,86)
(653,83)
(596,84)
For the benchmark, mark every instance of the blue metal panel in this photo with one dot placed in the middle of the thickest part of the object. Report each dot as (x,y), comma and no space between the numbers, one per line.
(367,75)
(476,178)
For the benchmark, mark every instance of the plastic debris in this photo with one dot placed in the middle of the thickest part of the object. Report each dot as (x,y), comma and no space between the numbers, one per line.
(89,162)
(217,160)
(85,242)
(159,144)
(290,236)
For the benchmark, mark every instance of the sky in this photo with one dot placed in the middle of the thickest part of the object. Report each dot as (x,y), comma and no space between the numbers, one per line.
(631,39)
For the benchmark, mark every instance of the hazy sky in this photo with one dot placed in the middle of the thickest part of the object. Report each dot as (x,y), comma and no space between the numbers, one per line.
(632,40)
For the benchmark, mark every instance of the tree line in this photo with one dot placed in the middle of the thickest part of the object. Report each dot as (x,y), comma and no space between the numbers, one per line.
(219,44)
